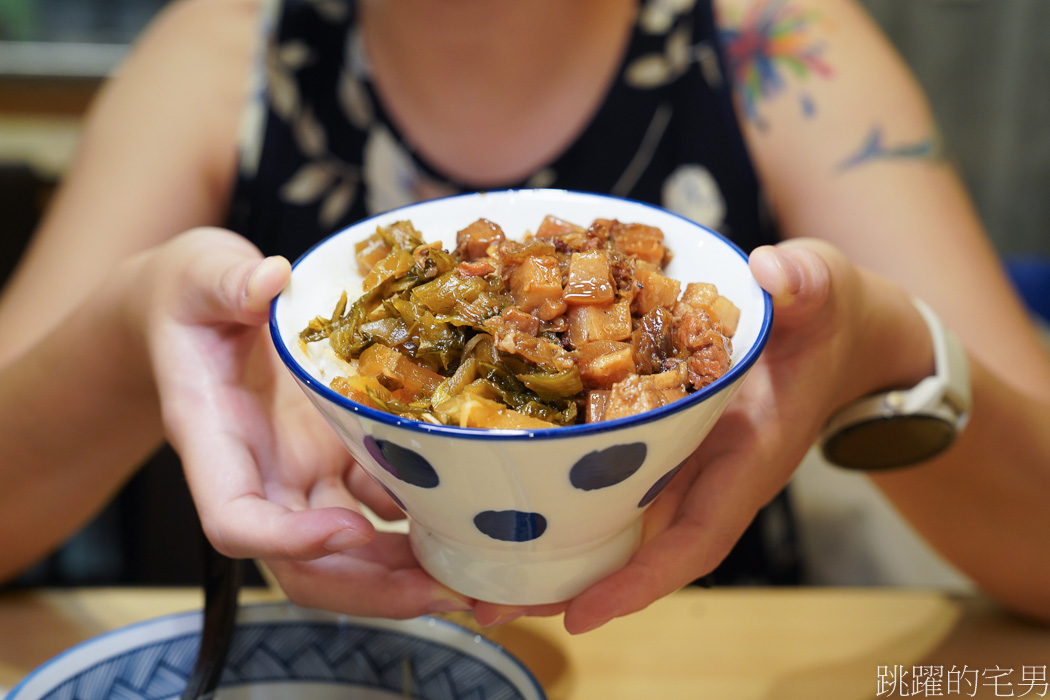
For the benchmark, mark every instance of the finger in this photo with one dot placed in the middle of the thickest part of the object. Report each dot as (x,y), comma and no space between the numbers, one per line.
(492,614)
(797,274)
(253,527)
(241,521)
(706,517)
(356,585)
(227,279)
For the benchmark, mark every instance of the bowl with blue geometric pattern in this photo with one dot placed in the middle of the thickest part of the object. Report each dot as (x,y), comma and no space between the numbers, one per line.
(523,516)
(280,651)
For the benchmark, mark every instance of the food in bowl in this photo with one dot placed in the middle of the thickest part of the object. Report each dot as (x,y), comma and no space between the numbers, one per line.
(568,325)
(522,516)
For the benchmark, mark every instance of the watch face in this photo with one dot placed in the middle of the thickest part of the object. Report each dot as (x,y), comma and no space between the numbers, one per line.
(889,442)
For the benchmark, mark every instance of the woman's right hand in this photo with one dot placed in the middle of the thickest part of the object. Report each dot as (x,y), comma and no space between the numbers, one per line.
(269,478)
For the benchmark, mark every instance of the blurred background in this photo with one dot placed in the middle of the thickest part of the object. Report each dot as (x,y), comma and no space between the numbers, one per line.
(984,63)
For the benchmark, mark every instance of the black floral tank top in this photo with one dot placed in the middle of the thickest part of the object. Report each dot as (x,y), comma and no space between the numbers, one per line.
(318,151)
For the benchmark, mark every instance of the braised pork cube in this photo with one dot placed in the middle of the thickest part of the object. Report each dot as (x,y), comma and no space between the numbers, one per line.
(604,362)
(512,318)
(569,238)
(368,252)
(536,283)
(590,323)
(703,295)
(597,400)
(653,289)
(643,242)
(538,351)
(553,227)
(473,242)
(590,279)
(707,364)
(632,396)
(653,341)
(709,350)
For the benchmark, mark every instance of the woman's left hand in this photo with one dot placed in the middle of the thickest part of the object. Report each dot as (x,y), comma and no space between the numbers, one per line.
(825,312)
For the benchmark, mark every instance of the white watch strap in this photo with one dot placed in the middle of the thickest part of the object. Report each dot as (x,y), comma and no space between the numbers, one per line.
(950,383)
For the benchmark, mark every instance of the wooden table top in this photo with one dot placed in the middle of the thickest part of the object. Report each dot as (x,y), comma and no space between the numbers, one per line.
(806,643)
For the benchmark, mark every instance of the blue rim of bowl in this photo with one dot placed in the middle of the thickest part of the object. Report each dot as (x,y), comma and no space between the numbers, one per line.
(336,619)
(734,372)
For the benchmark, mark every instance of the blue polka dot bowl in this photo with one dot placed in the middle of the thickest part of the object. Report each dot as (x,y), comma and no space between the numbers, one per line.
(280,651)
(523,517)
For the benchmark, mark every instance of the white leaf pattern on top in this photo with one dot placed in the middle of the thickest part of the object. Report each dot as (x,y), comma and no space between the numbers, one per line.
(691,190)
(308,183)
(658,16)
(392,177)
(656,69)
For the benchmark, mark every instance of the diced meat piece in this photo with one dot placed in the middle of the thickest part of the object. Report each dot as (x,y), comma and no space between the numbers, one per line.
(477,268)
(706,365)
(673,394)
(632,396)
(644,242)
(653,341)
(395,371)
(654,290)
(570,238)
(703,295)
(539,351)
(514,319)
(597,400)
(675,376)
(604,362)
(590,279)
(552,227)
(727,314)
(590,323)
(508,255)
(709,350)
(696,330)
(699,295)
(368,252)
(473,242)
(536,280)
(551,309)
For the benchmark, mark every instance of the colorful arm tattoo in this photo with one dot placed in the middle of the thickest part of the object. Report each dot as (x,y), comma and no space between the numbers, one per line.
(874,148)
(771,41)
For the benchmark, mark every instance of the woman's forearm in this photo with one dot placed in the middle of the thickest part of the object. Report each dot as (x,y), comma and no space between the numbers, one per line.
(983,503)
(78,413)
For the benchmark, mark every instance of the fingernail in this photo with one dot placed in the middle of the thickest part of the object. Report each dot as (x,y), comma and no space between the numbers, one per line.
(503,618)
(588,628)
(342,540)
(790,277)
(259,286)
(450,603)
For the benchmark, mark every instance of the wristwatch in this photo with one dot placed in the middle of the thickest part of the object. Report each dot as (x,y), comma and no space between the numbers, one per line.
(903,427)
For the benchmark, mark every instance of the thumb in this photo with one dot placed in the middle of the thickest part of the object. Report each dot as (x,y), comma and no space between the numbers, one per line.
(227,280)
(798,275)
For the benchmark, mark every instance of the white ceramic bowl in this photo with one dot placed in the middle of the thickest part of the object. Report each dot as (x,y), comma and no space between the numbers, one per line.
(280,651)
(523,517)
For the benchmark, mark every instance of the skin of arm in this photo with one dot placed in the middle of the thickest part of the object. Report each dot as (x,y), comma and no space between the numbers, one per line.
(167,315)
(848,150)
(156,157)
